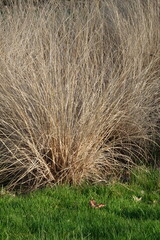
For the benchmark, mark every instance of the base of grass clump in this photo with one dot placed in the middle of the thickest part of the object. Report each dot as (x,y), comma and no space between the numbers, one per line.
(79,90)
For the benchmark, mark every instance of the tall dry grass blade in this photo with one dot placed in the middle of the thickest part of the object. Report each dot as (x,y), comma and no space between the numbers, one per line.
(79,90)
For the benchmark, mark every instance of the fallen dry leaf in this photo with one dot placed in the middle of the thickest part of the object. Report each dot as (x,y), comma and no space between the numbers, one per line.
(93,204)
(101,205)
(137,199)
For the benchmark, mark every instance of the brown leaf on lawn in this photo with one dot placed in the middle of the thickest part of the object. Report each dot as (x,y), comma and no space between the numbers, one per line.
(93,204)
(101,205)
(137,199)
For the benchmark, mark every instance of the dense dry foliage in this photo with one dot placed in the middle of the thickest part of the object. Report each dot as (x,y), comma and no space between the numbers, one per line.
(79,89)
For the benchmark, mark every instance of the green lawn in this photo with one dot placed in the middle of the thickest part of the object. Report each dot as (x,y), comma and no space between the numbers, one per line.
(62,213)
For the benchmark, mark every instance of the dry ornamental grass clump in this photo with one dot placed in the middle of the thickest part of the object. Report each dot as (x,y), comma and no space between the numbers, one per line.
(79,90)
